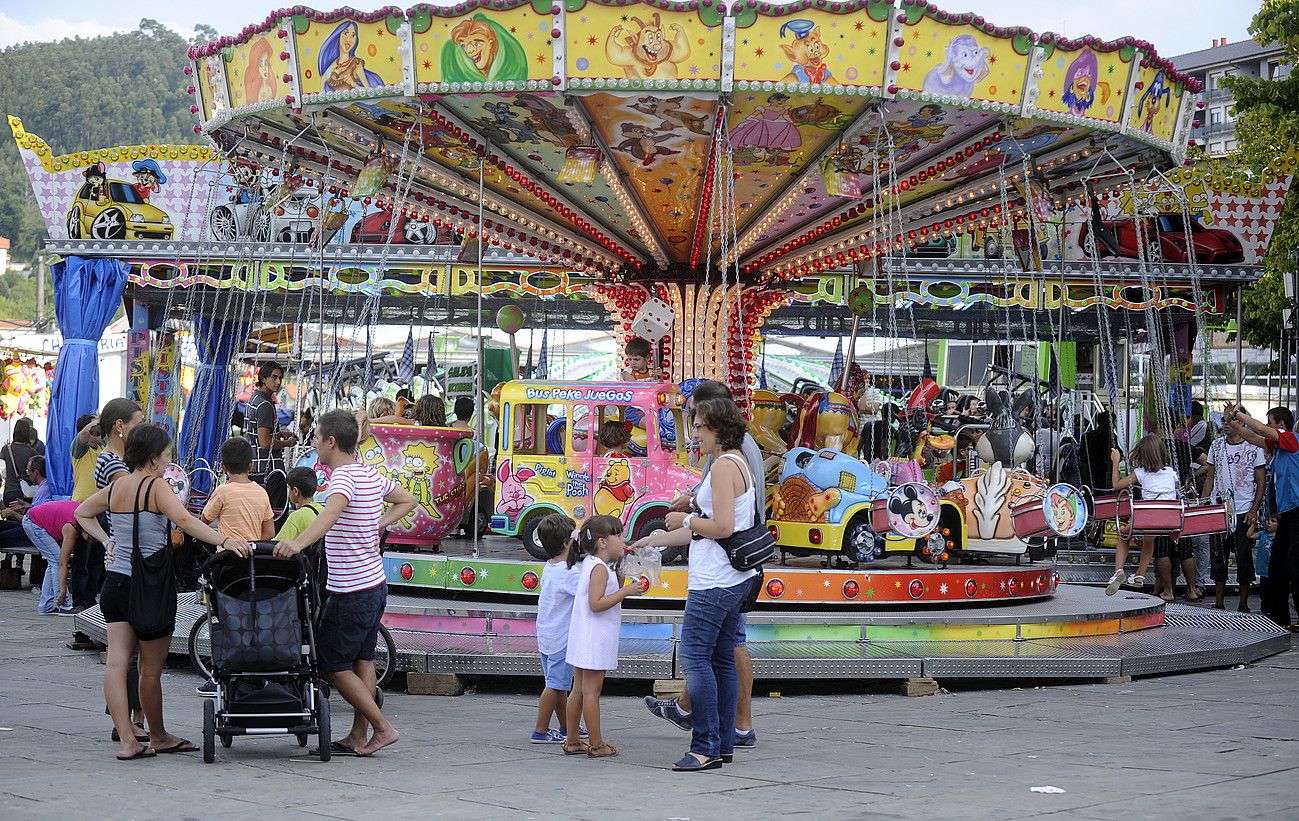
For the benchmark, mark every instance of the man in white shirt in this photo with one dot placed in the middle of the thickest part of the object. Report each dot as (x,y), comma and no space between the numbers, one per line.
(1237,471)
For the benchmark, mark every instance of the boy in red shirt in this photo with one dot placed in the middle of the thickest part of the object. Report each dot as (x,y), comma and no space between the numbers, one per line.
(357,588)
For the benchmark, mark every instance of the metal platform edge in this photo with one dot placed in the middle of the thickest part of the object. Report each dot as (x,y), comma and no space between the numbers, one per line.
(1191,639)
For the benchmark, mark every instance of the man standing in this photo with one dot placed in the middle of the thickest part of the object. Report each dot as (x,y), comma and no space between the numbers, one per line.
(261,426)
(1237,471)
(677,710)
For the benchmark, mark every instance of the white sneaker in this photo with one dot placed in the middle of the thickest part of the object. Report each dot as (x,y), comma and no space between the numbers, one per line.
(1116,581)
(1136,581)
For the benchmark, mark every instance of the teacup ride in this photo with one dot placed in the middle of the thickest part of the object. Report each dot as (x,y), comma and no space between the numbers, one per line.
(430,462)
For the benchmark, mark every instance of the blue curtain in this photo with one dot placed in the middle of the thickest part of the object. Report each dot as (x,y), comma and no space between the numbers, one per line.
(87,292)
(207,417)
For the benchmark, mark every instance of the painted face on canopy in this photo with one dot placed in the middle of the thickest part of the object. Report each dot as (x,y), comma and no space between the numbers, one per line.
(479,44)
(1082,84)
(264,68)
(347,42)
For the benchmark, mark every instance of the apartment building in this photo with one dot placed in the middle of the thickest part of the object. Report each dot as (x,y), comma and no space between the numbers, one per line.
(1215,127)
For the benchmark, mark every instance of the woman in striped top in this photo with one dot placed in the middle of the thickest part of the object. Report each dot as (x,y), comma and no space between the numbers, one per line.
(118,419)
(357,587)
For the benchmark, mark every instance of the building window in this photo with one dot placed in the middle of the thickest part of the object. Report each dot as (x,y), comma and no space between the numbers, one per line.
(1216,148)
(1214,81)
(1215,116)
(1230,146)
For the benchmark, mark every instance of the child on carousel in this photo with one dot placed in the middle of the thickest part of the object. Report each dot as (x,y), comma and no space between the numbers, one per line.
(640,363)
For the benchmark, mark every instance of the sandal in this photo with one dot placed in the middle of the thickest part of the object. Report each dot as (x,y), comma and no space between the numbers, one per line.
(690,763)
(601,751)
(143,752)
(580,749)
(182,746)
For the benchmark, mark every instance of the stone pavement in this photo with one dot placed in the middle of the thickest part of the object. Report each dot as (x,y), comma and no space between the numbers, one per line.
(1219,744)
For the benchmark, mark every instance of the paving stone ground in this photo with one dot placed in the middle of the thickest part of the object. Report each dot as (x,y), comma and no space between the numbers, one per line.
(1212,745)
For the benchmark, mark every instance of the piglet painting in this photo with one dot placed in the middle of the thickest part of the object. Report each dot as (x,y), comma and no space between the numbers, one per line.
(514,497)
(965,64)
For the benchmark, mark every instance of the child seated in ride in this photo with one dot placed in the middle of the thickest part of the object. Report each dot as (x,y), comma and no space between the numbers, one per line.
(1158,481)
(554,614)
(302,489)
(640,366)
(613,439)
(241,508)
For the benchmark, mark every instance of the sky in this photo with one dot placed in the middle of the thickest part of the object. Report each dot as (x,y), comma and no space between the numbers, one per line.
(1174,26)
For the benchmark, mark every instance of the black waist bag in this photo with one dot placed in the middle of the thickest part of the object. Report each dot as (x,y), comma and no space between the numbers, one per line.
(749,548)
(258,631)
(151,596)
(755,589)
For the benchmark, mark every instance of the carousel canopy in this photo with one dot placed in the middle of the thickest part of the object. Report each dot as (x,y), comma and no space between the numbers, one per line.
(682,140)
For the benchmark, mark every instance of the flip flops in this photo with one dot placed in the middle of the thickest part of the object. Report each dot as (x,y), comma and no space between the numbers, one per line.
(143,752)
(689,763)
(182,746)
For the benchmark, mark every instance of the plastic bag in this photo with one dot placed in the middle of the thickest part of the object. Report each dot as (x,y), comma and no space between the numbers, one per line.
(644,561)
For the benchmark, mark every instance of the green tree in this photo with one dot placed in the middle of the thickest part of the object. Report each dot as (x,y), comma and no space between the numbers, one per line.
(1267,125)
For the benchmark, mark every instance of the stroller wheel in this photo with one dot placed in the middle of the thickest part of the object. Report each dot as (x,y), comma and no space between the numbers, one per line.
(322,723)
(378,696)
(302,739)
(227,740)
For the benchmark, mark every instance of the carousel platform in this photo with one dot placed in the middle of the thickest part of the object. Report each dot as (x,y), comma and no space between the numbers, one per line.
(1079,633)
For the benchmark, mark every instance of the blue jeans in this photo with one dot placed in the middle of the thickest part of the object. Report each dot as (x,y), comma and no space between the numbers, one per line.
(50,550)
(708,658)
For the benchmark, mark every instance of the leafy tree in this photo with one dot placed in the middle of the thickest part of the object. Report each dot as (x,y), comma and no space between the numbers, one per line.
(203,34)
(1267,124)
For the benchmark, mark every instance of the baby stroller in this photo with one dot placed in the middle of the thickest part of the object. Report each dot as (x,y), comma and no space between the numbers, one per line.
(263,650)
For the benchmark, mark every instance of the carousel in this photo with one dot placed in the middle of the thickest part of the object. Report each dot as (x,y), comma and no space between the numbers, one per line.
(706,177)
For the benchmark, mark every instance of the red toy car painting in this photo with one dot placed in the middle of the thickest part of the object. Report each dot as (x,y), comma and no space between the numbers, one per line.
(1211,245)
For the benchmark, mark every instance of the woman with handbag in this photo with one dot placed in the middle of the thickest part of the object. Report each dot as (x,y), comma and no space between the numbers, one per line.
(716,589)
(139,595)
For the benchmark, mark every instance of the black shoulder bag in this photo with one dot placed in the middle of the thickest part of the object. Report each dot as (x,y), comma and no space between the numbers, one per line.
(749,548)
(151,607)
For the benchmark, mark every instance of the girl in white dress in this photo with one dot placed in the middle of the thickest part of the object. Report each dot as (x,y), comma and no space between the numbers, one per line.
(596,623)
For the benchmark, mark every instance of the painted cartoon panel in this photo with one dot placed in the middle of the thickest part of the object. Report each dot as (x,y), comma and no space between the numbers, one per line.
(210,87)
(962,61)
(643,45)
(504,46)
(345,53)
(663,158)
(814,47)
(254,70)
(1157,105)
(1084,83)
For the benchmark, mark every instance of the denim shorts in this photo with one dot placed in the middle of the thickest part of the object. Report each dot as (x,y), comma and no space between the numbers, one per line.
(741,633)
(557,670)
(349,627)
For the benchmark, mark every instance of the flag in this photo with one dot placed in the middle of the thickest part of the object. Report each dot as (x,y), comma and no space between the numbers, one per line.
(1054,385)
(836,364)
(543,367)
(430,370)
(406,365)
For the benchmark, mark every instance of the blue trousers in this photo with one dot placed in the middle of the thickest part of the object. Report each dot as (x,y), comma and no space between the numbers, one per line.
(708,657)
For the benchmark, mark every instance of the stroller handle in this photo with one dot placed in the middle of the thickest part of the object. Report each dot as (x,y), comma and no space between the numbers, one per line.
(261,549)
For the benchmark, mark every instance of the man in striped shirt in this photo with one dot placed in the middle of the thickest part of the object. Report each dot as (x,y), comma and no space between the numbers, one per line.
(357,588)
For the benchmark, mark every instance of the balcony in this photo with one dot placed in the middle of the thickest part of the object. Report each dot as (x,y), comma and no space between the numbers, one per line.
(1216,95)
(1214,130)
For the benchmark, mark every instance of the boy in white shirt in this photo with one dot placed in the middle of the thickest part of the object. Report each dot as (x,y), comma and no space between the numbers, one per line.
(357,586)
(554,611)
